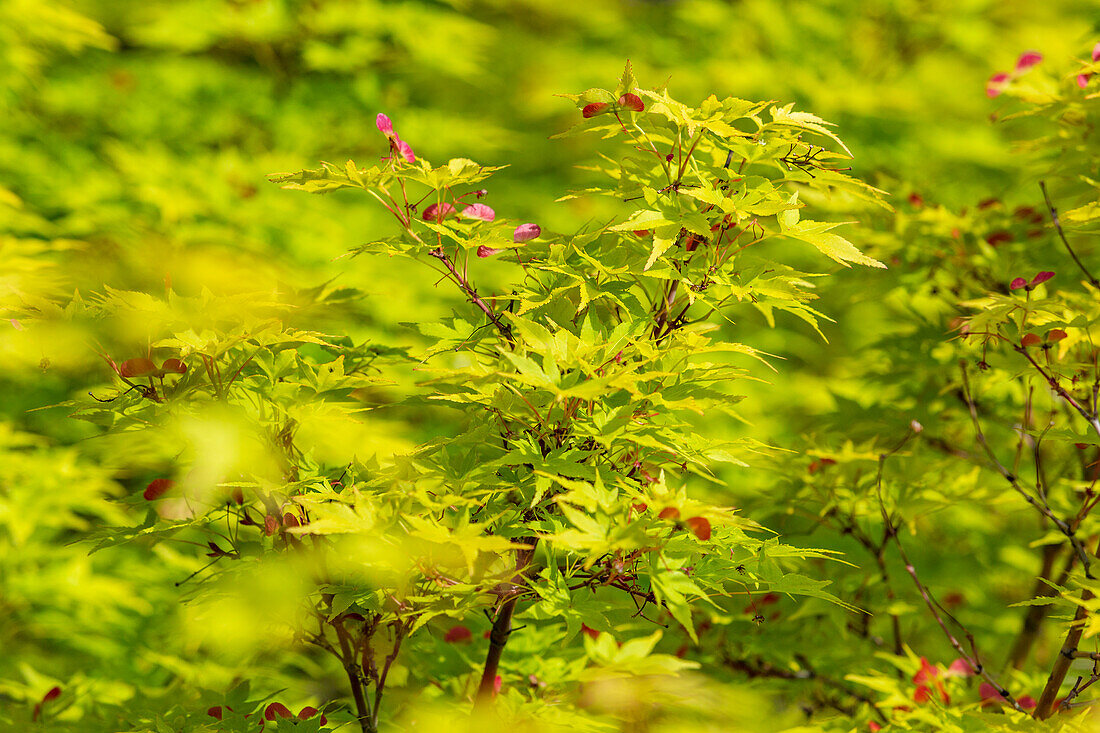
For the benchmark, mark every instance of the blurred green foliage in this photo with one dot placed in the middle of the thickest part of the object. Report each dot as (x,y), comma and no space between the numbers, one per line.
(135,142)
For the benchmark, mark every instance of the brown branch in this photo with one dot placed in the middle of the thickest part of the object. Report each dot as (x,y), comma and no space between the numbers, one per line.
(355,678)
(399,630)
(1045,708)
(1058,388)
(468,289)
(1078,688)
(1058,227)
(1033,620)
(498,636)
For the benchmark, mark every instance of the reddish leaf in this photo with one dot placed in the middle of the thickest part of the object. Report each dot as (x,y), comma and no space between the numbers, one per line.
(405,150)
(526,232)
(215,712)
(1055,335)
(641,232)
(173,366)
(1030,339)
(1083,80)
(998,238)
(669,512)
(589,632)
(289,520)
(923,693)
(1018,283)
(632,101)
(700,527)
(437,212)
(1080,446)
(960,668)
(308,712)
(916,200)
(1028,214)
(596,108)
(277,709)
(238,496)
(456,634)
(926,673)
(497,684)
(765,600)
(271,523)
(485,251)
(1042,277)
(480,212)
(140,367)
(1027,702)
(996,85)
(1027,60)
(385,125)
(157,488)
(873,726)
(53,694)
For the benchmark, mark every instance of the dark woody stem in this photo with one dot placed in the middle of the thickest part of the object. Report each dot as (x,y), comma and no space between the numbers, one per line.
(355,678)
(498,638)
(1045,708)
(502,629)
(468,289)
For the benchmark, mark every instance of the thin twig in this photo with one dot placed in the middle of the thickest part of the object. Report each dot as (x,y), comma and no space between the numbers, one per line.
(971,658)
(502,327)
(1062,235)
(1041,507)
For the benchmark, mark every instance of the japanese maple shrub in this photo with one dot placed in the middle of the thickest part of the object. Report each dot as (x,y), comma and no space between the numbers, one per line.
(565,499)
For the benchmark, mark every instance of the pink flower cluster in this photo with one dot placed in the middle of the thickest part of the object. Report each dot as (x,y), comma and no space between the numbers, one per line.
(438,212)
(997,83)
